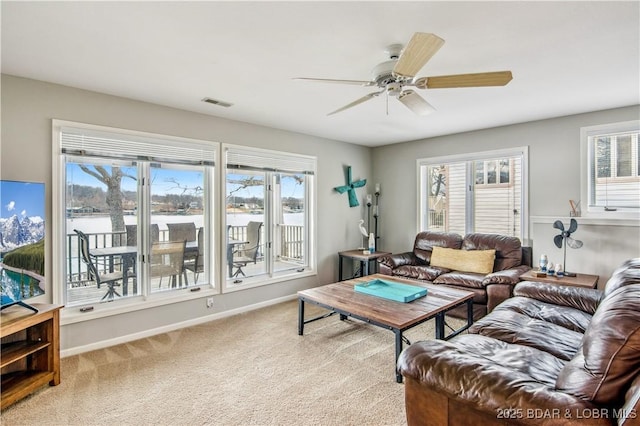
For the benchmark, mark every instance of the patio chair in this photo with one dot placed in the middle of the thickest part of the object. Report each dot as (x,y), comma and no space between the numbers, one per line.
(186,232)
(182,231)
(195,263)
(132,236)
(249,251)
(110,279)
(167,260)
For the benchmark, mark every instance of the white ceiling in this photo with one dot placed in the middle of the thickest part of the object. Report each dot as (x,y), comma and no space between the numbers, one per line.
(566,58)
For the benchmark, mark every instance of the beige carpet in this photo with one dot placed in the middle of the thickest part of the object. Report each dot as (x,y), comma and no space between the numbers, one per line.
(249,369)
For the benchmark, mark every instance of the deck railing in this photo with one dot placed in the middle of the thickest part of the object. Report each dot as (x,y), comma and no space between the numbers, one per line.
(289,243)
(437,220)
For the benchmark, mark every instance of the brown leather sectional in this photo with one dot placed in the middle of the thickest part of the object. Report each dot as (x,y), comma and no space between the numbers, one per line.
(550,355)
(511,261)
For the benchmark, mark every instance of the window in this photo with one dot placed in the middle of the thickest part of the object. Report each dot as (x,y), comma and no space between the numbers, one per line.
(611,182)
(269,222)
(135,212)
(482,192)
(492,172)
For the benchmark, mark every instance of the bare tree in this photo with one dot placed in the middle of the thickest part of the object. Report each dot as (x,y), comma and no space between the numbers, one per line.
(113,182)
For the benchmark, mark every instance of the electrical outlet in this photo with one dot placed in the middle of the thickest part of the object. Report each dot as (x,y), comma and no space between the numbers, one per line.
(210,302)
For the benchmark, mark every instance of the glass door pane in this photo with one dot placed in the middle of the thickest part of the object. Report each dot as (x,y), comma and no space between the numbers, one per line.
(289,222)
(245,219)
(446,197)
(100,201)
(177,229)
(498,198)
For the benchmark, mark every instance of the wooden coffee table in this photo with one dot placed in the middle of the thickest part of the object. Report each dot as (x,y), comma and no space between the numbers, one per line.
(340,298)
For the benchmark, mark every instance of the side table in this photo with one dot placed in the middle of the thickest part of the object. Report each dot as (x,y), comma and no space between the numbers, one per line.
(364,260)
(580,280)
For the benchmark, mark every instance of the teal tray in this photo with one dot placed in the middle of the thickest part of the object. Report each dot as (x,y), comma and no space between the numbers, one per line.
(390,290)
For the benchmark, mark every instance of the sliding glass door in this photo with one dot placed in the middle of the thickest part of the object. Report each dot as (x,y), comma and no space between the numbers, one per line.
(482,192)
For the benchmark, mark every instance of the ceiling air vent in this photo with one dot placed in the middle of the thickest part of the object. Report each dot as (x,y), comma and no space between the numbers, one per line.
(217,102)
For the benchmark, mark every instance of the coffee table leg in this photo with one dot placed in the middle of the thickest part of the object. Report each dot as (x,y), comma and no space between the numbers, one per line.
(398,334)
(300,317)
(440,326)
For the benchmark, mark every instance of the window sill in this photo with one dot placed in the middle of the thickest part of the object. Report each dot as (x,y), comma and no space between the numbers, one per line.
(260,281)
(72,314)
(591,220)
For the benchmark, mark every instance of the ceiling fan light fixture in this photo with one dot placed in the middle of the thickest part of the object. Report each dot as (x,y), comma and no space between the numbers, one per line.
(394,89)
(415,103)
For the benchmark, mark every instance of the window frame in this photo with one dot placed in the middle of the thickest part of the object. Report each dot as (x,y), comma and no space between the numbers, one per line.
(145,299)
(588,169)
(470,159)
(282,163)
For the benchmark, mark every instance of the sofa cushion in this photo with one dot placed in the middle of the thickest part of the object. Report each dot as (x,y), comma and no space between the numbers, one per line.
(425,241)
(539,365)
(461,279)
(582,298)
(609,359)
(506,276)
(419,272)
(513,327)
(508,249)
(564,316)
(478,261)
(479,295)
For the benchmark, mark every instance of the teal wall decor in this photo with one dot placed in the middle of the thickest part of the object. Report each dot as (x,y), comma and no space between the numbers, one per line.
(350,188)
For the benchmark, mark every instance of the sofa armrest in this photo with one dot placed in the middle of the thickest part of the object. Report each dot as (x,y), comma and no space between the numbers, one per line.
(392,261)
(508,276)
(488,386)
(584,299)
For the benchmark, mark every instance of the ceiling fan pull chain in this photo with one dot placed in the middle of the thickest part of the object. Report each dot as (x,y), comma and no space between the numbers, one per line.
(387,92)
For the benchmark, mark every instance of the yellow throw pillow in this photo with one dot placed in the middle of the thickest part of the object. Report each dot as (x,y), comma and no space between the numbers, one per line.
(478,261)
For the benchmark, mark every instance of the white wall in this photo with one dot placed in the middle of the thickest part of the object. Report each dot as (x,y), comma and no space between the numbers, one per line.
(554,178)
(28,106)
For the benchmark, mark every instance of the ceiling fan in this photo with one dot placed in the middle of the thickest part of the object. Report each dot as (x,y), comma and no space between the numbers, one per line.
(396,76)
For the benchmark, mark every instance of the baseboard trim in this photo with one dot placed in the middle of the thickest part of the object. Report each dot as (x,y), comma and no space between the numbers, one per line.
(172,327)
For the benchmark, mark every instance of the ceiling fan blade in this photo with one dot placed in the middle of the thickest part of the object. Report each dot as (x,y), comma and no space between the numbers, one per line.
(557,240)
(574,244)
(331,80)
(573,226)
(498,78)
(558,225)
(356,102)
(415,102)
(420,49)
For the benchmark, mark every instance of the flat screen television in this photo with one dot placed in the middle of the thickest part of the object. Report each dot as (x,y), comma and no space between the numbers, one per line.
(22,221)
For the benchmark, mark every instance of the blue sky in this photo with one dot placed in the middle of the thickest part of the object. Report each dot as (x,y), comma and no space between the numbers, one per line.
(289,186)
(164,181)
(21,198)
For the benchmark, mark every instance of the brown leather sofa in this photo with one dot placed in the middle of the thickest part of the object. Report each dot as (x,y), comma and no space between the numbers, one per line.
(550,355)
(511,261)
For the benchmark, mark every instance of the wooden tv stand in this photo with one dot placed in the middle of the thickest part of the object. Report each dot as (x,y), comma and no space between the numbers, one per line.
(30,350)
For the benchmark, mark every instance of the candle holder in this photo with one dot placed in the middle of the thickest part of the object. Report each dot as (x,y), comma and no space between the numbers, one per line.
(376,214)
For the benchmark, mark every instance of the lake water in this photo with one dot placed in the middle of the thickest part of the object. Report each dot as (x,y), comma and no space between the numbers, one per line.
(16,286)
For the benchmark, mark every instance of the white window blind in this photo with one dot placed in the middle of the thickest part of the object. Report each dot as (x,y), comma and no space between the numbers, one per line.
(94,143)
(613,166)
(267,160)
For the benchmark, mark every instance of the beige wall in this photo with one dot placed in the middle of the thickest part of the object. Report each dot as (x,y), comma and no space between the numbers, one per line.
(554,178)
(28,107)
